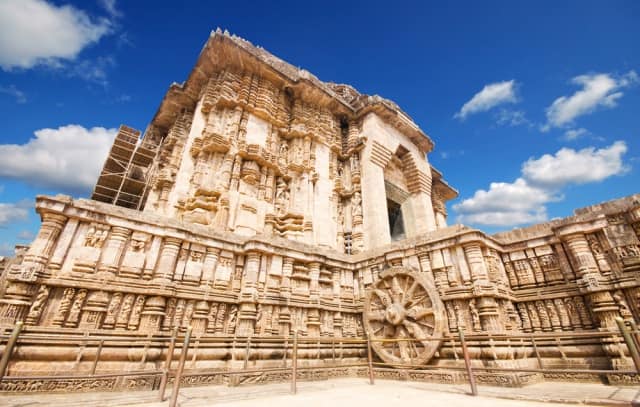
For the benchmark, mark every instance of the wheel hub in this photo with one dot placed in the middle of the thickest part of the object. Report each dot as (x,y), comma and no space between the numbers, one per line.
(395,314)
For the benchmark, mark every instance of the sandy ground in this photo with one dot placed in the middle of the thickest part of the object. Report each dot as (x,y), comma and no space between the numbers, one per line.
(348,393)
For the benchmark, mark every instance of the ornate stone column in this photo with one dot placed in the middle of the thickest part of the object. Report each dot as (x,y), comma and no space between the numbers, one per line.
(248,295)
(209,266)
(585,262)
(152,314)
(477,267)
(40,250)
(314,274)
(112,251)
(167,263)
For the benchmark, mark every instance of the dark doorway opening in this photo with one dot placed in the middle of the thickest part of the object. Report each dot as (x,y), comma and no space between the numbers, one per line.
(396,223)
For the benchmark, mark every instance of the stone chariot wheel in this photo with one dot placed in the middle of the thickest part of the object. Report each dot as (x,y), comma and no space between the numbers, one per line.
(403,304)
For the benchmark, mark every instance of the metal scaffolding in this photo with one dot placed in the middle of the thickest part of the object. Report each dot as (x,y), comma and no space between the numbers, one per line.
(128,170)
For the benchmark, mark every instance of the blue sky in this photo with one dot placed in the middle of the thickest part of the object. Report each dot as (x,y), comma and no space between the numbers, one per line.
(533,106)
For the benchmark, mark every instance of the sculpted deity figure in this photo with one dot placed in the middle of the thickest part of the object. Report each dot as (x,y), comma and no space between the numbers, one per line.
(356,207)
(231,323)
(283,154)
(134,320)
(74,313)
(259,319)
(112,309)
(282,197)
(38,304)
(475,317)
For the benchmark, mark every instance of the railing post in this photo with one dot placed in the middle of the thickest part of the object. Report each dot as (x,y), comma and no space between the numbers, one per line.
(635,334)
(167,365)
(535,350)
(95,361)
(633,351)
(294,363)
(178,377)
(369,358)
(246,353)
(467,363)
(8,350)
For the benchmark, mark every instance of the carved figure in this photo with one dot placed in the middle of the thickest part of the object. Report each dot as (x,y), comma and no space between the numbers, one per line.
(38,305)
(95,236)
(231,322)
(475,317)
(112,310)
(74,313)
(625,311)
(282,197)
(356,205)
(134,319)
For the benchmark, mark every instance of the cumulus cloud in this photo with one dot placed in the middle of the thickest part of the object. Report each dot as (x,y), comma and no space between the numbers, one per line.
(35,32)
(574,134)
(68,158)
(598,91)
(490,96)
(524,200)
(14,92)
(14,212)
(505,204)
(569,166)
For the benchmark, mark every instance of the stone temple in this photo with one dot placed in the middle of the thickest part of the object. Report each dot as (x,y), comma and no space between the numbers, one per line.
(261,201)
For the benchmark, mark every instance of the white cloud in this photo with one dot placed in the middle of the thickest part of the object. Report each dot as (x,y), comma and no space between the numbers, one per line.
(507,117)
(16,93)
(110,7)
(505,204)
(542,180)
(490,96)
(569,166)
(598,90)
(34,32)
(574,134)
(14,212)
(68,158)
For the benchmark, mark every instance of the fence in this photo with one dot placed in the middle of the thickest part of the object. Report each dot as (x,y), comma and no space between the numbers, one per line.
(92,345)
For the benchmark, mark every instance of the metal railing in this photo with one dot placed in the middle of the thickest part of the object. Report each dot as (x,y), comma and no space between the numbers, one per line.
(290,348)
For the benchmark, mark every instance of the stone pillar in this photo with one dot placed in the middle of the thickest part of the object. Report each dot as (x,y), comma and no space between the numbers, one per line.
(314,273)
(152,314)
(268,191)
(62,248)
(477,267)
(425,263)
(313,323)
(489,315)
(563,262)
(167,263)
(248,295)
(585,262)
(200,317)
(112,251)
(41,248)
(287,271)
(209,266)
